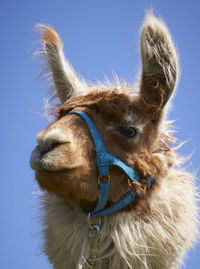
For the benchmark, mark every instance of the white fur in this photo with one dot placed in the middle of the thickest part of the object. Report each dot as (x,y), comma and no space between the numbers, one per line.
(132,119)
(158,53)
(64,79)
(78,84)
(129,240)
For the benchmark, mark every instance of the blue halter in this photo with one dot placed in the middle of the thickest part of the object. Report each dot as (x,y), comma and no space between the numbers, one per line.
(103,161)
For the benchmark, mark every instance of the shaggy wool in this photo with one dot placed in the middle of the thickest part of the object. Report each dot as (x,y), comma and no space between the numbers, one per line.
(128,240)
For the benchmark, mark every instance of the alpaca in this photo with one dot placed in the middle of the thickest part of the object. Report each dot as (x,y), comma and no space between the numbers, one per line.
(159,224)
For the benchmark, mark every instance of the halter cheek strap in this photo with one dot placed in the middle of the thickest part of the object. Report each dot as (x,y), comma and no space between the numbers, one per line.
(103,161)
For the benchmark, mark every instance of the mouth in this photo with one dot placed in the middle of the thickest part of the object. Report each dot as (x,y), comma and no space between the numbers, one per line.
(54,160)
(42,161)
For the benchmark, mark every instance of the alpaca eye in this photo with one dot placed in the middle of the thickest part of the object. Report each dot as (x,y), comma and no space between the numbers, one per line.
(128,131)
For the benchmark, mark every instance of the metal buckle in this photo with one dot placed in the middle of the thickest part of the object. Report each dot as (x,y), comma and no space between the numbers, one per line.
(93,226)
(94,235)
(99,179)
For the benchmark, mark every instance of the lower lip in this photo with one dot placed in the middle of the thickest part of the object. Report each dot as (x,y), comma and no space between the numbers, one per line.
(37,162)
(35,159)
(40,172)
(40,161)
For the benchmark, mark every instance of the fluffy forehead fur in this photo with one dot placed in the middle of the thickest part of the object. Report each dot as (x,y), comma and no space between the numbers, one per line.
(161,224)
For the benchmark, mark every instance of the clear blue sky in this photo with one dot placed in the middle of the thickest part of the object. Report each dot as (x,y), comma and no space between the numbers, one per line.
(99,36)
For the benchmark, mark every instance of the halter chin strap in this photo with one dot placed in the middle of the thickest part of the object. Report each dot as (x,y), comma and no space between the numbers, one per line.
(103,161)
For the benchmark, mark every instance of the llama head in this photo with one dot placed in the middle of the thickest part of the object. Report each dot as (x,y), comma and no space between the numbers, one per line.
(129,122)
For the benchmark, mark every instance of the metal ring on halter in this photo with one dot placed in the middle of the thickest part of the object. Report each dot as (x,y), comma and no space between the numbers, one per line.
(99,179)
(94,226)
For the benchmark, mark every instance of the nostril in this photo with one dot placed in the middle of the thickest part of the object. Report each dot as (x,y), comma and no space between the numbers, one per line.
(50,139)
(47,147)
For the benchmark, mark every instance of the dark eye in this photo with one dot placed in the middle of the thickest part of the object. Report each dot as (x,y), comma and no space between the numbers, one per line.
(128,131)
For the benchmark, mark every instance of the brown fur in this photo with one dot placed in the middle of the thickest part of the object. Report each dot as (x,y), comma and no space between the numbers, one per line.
(105,110)
(65,166)
(50,37)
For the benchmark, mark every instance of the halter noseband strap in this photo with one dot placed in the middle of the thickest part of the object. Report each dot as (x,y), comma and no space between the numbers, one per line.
(103,161)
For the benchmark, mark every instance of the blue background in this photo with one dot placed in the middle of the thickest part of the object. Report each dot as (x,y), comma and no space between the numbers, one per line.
(100,36)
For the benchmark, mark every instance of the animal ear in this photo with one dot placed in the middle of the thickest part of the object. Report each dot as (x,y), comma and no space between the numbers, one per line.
(159,63)
(65,80)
